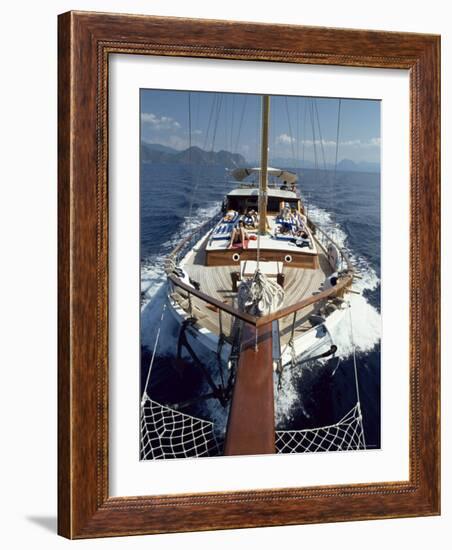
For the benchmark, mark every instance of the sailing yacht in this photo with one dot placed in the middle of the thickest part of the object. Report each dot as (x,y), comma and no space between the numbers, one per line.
(261,285)
(306,272)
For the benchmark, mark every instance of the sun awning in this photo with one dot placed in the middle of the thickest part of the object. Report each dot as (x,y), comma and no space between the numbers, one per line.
(288,177)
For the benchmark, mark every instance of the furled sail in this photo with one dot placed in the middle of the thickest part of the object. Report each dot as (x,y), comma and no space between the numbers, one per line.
(288,177)
(260,295)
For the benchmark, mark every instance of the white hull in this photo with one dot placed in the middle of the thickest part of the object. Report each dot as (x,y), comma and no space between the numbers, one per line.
(313,341)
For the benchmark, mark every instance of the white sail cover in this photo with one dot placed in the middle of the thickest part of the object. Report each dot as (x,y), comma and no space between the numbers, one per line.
(289,177)
(259,295)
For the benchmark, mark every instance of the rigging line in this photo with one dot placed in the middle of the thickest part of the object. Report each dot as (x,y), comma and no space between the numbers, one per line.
(196,109)
(303,148)
(320,134)
(337,137)
(209,123)
(240,124)
(271,144)
(356,372)
(290,130)
(316,165)
(258,251)
(232,124)
(216,122)
(221,340)
(154,351)
(198,167)
(189,127)
(226,97)
(229,118)
(311,116)
(336,157)
(261,135)
(304,129)
(298,133)
(212,110)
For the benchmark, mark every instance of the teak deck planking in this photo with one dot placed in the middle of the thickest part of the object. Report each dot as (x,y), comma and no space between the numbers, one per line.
(217,282)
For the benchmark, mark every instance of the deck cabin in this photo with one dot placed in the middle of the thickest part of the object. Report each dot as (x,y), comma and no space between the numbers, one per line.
(288,239)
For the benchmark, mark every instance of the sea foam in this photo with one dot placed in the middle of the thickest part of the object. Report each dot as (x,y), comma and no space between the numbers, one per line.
(361,331)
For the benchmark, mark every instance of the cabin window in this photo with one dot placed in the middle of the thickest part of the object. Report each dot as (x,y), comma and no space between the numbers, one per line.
(242,204)
(273,204)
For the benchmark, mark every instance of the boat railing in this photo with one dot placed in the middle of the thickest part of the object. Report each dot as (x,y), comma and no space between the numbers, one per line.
(324,240)
(190,240)
(190,293)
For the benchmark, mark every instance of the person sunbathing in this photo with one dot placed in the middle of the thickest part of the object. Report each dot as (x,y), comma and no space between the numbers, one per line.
(239,235)
(286,229)
(302,238)
(301,233)
(285,214)
(250,219)
(297,220)
(230,216)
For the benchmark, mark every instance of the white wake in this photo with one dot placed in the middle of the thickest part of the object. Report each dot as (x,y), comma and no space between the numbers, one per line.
(361,327)
(365,318)
(152,268)
(366,322)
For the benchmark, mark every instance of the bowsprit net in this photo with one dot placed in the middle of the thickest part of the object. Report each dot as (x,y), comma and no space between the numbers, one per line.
(166,433)
(345,435)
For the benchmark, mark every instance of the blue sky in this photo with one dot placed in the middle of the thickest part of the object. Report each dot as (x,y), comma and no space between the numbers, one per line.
(300,128)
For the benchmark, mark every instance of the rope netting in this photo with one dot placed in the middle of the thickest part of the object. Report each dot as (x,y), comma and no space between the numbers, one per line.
(345,435)
(166,433)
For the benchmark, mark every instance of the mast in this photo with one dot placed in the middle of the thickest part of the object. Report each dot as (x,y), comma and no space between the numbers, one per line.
(264,165)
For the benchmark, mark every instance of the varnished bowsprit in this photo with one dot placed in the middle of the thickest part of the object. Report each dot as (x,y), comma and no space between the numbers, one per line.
(251,425)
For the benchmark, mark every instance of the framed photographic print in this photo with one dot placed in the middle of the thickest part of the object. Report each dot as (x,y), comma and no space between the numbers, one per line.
(248,275)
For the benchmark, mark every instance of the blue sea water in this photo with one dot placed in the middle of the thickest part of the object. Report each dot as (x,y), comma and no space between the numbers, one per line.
(177,198)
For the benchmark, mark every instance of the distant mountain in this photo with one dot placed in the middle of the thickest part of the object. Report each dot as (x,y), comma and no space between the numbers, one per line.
(160,147)
(156,153)
(162,154)
(345,165)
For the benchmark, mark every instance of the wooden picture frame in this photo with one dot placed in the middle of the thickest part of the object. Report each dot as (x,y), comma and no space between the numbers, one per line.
(86,40)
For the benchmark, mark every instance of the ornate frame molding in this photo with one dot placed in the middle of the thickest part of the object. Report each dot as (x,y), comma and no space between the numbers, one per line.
(85,42)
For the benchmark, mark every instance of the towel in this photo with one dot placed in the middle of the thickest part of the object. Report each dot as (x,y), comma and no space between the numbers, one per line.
(240,245)
(223,231)
(284,237)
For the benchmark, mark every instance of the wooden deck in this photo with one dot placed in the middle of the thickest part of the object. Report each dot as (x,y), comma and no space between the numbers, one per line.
(217,282)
